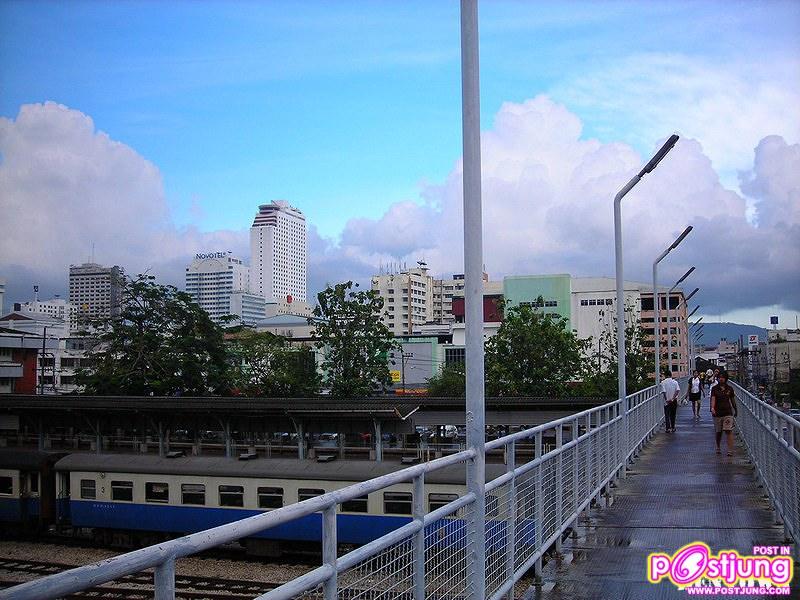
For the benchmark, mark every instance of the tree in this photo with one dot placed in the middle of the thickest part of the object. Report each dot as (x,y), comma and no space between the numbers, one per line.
(162,343)
(264,364)
(353,340)
(450,382)
(639,363)
(533,354)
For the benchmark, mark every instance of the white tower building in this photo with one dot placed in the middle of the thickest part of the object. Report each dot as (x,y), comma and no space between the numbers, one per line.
(220,283)
(278,255)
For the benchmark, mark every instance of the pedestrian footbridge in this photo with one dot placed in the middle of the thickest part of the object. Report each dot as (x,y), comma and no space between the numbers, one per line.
(595,495)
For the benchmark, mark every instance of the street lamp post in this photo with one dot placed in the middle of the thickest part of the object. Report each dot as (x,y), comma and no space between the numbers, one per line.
(621,384)
(685,302)
(669,315)
(657,300)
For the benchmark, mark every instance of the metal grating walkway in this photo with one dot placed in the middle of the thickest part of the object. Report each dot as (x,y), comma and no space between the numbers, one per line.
(678,491)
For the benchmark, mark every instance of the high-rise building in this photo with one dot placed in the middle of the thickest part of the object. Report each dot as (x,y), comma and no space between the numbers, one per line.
(278,253)
(95,290)
(220,283)
(2,293)
(407,298)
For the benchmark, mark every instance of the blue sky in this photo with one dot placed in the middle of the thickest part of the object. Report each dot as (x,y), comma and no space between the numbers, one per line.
(344,108)
(340,107)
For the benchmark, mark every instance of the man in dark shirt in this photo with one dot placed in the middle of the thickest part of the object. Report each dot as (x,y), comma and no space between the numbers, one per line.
(723,408)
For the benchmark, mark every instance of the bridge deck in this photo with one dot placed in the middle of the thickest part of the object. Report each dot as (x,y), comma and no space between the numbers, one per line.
(679,491)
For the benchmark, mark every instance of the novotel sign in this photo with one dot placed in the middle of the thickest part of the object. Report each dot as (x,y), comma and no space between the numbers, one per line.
(202,255)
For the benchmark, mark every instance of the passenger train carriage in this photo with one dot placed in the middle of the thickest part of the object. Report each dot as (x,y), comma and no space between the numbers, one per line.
(27,488)
(138,499)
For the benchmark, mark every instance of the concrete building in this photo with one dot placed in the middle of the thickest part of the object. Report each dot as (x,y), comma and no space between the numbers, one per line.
(58,308)
(282,307)
(407,298)
(554,290)
(95,290)
(278,253)
(220,283)
(779,359)
(18,365)
(2,294)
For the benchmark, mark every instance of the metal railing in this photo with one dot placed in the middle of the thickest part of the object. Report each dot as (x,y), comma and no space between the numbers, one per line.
(528,510)
(772,439)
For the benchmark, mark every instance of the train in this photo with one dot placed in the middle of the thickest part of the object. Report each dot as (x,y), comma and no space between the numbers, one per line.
(124,500)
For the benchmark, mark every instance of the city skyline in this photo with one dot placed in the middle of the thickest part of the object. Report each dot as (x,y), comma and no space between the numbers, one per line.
(352,116)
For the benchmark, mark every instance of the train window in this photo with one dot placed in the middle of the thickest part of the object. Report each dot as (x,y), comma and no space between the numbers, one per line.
(306,493)
(88,489)
(439,500)
(397,503)
(122,490)
(156,492)
(193,493)
(358,505)
(270,497)
(6,486)
(231,495)
(34,483)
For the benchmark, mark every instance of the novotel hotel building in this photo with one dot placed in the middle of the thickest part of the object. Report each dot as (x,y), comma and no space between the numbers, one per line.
(220,283)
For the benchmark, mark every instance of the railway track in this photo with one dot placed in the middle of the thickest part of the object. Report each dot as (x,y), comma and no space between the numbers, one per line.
(140,585)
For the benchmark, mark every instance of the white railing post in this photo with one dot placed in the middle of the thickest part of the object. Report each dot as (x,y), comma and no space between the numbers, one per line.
(575,455)
(164,580)
(539,522)
(329,551)
(511,521)
(559,483)
(419,538)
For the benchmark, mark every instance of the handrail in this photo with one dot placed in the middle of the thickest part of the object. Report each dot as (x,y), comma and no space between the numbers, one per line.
(772,440)
(539,499)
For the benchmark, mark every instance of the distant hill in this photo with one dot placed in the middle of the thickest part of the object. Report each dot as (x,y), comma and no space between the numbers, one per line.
(713,332)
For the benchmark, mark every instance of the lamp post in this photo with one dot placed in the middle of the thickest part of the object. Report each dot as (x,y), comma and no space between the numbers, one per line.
(669,316)
(657,300)
(648,168)
(685,302)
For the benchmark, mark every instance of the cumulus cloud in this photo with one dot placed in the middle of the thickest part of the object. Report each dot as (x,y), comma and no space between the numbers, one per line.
(547,208)
(65,186)
(547,193)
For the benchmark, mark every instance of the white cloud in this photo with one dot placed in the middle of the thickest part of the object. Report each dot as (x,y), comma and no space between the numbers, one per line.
(547,208)
(729,106)
(65,186)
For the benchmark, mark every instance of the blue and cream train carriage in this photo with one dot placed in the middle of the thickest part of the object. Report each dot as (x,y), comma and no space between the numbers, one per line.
(136,499)
(27,488)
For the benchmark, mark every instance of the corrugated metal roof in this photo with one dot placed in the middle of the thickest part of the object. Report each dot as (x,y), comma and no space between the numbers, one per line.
(268,468)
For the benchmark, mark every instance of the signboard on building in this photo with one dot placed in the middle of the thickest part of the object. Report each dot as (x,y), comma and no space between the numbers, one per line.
(752,341)
(204,255)
(773,320)
(395,376)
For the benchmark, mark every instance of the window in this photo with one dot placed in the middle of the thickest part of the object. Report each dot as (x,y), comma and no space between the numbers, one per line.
(193,493)
(156,492)
(6,486)
(34,482)
(592,302)
(270,497)
(358,505)
(122,490)
(584,303)
(88,491)
(231,495)
(609,301)
(398,503)
(306,493)
(439,500)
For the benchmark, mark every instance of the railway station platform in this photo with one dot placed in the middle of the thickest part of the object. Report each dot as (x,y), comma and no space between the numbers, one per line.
(678,492)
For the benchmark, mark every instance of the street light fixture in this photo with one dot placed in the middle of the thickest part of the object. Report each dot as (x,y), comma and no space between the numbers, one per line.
(648,168)
(657,299)
(694,310)
(669,314)
(697,322)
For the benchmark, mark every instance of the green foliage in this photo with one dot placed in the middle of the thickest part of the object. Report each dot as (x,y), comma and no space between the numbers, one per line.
(639,363)
(533,354)
(162,343)
(450,382)
(263,364)
(353,340)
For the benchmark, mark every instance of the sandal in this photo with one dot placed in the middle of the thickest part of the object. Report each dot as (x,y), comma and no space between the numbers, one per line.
(719,451)
(730,453)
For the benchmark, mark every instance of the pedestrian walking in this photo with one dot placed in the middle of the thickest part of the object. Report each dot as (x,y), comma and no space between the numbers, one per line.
(670,389)
(724,411)
(694,392)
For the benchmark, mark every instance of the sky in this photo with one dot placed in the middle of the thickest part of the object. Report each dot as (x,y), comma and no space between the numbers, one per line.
(153,130)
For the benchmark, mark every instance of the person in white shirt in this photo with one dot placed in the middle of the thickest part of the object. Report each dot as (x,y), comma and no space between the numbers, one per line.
(694,391)
(670,389)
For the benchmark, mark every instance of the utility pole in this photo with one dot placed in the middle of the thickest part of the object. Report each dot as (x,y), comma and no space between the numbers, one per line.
(403,357)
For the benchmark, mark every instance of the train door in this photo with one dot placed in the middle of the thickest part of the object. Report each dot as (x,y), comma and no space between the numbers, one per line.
(62,497)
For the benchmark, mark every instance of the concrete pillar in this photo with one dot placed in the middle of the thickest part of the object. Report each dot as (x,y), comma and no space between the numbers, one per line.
(378,440)
(301,441)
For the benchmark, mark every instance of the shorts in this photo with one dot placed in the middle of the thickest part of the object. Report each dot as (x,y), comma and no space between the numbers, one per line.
(724,423)
(694,397)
